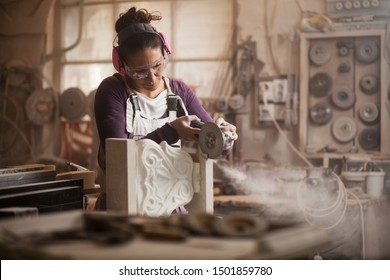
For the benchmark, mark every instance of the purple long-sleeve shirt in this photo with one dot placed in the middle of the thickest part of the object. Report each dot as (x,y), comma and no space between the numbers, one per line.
(110,110)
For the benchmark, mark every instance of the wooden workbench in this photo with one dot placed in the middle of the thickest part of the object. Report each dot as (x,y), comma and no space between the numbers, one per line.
(292,242)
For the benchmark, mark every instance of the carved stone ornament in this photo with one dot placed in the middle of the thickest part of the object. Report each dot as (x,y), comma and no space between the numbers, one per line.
(164,177)
(150,179)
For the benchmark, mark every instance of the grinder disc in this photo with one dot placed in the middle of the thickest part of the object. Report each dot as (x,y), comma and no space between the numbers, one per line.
(73,104)
(369,113)
(343,98)
(211,140)
(344,129)
(320,84)
(369,138)
(320,52)
(320,113)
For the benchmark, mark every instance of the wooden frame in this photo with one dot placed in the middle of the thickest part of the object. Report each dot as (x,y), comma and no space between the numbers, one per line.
(383,151)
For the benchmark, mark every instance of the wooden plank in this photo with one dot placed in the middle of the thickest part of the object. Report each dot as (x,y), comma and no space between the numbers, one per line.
(27,174)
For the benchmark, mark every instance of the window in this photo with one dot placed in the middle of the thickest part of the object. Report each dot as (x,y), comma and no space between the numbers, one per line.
(199,32)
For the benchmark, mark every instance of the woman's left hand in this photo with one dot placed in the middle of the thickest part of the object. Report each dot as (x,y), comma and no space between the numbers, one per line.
(225,126)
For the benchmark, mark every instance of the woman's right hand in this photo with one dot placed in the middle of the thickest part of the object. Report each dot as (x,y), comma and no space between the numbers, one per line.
(184,129)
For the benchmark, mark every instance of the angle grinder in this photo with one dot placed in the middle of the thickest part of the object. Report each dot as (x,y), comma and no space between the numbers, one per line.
(212,140)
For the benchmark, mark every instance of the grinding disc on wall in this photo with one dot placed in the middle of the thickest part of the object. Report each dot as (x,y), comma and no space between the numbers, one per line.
(236,102)
(367,51)
(320,52)
(369,84)
(40,107)
(344,129)
(369,113)
(369,138)
(320,84)
(73,104)
(343,98)
(320,113)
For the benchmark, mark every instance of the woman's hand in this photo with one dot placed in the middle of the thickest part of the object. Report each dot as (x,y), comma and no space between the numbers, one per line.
(184,129)
(225,126)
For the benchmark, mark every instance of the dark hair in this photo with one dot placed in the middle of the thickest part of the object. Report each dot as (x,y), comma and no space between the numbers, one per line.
(138,41)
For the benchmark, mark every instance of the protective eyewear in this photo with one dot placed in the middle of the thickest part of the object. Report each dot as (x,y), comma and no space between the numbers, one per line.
(142,72)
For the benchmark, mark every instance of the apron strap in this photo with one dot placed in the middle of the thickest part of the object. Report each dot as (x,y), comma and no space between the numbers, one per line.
(172,106)
(132,109)
(134,98)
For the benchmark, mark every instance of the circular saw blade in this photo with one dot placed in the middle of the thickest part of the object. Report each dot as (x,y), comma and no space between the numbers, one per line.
(211,140)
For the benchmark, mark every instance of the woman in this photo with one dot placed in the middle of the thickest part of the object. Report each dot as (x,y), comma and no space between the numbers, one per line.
(139,102)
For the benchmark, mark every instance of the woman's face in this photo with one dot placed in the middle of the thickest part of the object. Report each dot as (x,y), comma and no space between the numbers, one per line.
(145,69)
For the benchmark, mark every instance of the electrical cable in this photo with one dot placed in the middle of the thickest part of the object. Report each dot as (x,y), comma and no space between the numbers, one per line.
(299,5)
(321,213)
(22,135)
(5,148)
(342,190)
(386,53)
(57,113)
(17,122)
(294,106)
(324,212)
(282,133)
(289,98)
(223,70)
(342,196)
(3,114)
(78,40)
(270,37)
(362,224)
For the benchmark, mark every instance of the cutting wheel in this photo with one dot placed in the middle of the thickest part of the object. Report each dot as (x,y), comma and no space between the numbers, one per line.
(369,84)
(320,113)
(211,140)
(369,113)
(73,104)
(344,129)
(369,138)
(367,51)
(320,84)
(40,106)
(236,102)
(320,52)
(343,98)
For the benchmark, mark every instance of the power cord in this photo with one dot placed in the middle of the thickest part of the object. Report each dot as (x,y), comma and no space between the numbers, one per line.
(342,190)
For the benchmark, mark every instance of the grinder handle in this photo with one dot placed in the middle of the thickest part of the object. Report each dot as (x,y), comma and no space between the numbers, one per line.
(196,124)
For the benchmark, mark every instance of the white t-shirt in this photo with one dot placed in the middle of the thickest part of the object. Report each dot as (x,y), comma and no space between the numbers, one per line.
(153,108)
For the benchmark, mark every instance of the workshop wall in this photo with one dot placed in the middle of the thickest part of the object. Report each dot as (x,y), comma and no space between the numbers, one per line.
(274,27)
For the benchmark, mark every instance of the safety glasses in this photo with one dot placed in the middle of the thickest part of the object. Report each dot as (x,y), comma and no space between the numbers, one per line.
(139,73)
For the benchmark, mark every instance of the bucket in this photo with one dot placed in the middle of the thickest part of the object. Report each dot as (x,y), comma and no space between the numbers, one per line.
(375,182)
(354,179)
